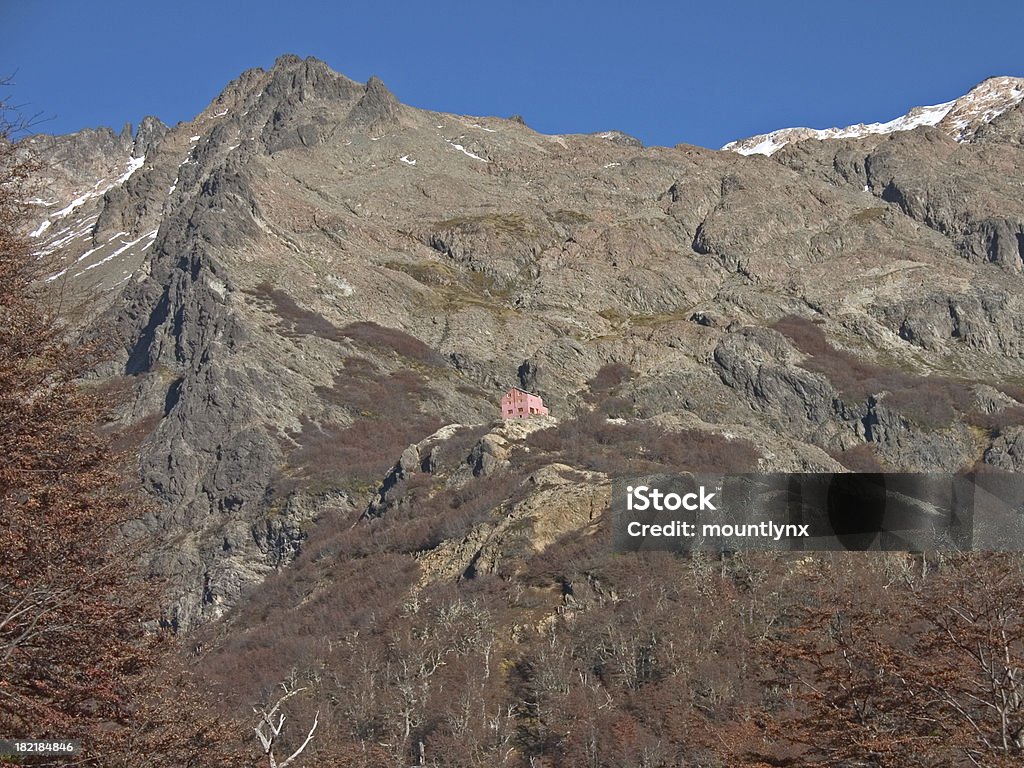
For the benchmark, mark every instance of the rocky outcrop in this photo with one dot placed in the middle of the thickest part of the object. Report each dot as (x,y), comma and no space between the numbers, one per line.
(377,109)
(985,321)
(1007,451)
(764,370)
(557,500)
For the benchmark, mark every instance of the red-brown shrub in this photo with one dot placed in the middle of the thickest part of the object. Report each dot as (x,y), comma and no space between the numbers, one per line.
(387,417)
(592,442)
(860,458)
(303,322)
(383,338)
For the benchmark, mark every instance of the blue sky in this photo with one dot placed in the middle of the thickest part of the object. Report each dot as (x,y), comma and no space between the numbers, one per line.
(701,73)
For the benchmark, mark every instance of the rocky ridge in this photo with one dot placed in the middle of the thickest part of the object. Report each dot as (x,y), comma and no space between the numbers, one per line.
(961,119)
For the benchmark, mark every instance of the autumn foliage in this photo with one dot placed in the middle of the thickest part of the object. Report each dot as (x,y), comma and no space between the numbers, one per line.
(62,625)
(75,659)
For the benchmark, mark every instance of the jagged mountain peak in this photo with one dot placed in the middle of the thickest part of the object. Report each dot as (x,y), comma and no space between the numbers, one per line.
(308,78)
(376,86)
(150,131)
(290,60)
(378,107)
(291,79)
(960,118)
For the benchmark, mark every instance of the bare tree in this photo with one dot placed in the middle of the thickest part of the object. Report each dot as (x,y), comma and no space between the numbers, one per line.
(271,723)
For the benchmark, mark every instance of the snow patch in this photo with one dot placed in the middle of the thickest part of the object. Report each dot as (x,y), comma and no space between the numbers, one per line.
(343,287)
(40,229)
(767,146)
(466,152)
(76,203)
(88,253)
(67,237)
(134,163)
(124,247)
(217,286)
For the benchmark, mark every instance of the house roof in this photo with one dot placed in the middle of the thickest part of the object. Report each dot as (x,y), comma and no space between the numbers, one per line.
(520,389)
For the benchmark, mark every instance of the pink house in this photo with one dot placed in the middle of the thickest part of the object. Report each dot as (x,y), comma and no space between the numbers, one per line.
(520,404)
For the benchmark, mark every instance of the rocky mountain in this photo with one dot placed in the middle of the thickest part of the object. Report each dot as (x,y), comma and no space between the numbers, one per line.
(318,295)
(961,119)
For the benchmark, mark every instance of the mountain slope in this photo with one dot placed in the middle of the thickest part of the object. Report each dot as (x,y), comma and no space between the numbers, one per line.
(310,276)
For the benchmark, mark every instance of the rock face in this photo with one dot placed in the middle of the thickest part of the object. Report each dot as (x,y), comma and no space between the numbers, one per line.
(558,500)
(310,279)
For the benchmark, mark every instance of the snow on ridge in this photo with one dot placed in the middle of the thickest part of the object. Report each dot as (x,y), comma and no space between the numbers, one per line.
(959,118)
(134,163)
(982,104)
(769,143)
